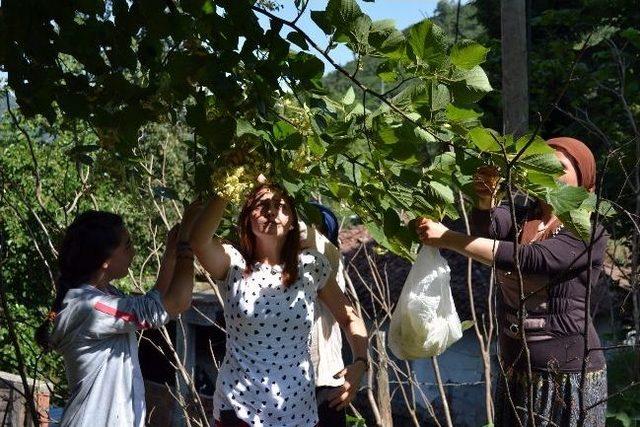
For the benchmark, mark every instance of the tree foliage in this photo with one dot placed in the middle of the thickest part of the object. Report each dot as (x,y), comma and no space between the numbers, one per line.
(118,65)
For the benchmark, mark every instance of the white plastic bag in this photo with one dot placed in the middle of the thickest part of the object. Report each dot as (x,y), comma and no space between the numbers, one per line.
(425,321)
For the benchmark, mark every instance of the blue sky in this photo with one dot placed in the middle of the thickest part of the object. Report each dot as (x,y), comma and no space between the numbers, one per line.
(403,12)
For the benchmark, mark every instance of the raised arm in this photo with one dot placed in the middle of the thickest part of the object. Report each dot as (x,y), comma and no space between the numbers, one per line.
(168,262)
(208,248)
(177,298)
(562,255)
(356,332)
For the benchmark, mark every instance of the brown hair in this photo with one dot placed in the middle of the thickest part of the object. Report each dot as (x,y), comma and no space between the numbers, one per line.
(291,247)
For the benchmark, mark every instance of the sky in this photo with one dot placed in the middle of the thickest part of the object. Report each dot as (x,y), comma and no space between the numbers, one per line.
(403,12)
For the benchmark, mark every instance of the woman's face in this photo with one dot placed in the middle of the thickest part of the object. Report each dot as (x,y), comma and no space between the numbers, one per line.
(570,176)
(120,260)
(270,214)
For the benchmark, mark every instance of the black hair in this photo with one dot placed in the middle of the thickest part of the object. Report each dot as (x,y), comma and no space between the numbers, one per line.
(87,243)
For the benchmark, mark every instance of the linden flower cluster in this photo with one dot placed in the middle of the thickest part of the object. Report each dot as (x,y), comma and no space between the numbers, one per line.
(234,182)
(303,159)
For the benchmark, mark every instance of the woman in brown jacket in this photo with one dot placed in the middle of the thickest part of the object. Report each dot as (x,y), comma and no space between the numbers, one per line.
(557,267)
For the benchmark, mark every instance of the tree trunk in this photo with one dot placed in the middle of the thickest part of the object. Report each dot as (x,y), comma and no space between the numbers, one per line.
(515,82)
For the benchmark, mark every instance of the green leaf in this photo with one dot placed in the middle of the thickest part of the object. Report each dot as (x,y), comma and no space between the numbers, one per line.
(322,20)
(633,35)
(391,222)
(208,7)
(567,198)
(427,43)
(349,97)
(245,127)
(483,139)
(460,114)
(623,417)
(359,30)
(387,71)
(386,39)
(538,183)
(545,163)
(440,96)
(343,13)
(538,146)
(606,209)
(477,79)
(287,135)
(298,39)
(467,324)
(468,54)
(474,84)
(424,136)
(578,222)
(305,66)
(282,129)
(441,192)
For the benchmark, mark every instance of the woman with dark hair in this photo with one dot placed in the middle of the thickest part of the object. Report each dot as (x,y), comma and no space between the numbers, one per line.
(94,323)
(557,268)
(270,288)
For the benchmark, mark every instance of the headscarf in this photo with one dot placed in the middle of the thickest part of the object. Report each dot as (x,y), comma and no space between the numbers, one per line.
(585,165)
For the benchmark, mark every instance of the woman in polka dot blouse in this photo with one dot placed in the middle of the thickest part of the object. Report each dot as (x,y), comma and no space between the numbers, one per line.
(270,288)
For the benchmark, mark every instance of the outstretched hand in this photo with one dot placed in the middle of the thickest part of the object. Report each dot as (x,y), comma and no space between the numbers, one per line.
(431,232)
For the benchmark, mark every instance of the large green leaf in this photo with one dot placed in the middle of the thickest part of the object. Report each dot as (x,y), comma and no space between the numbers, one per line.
(343,14)
(578,222)
(545,163)
(442,192)
(538,183)
(484,139)
(323,20)
(427,43)
(567,198)
(305,66)
(386,39)
(349,97)
(468,54)
(473,84)
(461,114)
(538,146)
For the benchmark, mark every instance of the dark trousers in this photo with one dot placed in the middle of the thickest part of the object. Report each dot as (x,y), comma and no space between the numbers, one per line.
(329,417)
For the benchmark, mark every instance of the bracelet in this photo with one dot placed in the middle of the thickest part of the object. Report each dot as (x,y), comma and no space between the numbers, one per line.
(363,360)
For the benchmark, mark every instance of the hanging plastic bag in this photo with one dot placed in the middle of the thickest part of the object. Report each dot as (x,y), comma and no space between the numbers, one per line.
(425,321)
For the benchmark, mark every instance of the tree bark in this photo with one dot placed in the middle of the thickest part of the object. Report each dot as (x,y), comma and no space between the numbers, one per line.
(515,81)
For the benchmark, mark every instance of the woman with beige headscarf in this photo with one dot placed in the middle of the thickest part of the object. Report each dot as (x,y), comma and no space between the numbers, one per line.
(556,272)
